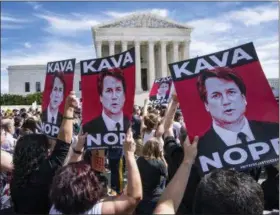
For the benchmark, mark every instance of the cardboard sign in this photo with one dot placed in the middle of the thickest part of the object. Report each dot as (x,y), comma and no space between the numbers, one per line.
(226,100)
(108,88)
(161,91)
(58,84)
(98,160)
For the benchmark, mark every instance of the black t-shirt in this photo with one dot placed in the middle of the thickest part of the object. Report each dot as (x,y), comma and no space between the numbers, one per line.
(152,172)
(136,126)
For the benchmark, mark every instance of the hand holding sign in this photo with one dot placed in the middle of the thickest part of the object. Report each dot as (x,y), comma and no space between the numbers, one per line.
(190,150)
(175,98)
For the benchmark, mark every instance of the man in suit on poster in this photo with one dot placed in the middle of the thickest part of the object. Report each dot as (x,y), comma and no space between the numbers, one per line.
(224,95)
(111,88)
(162,92)
(52,114)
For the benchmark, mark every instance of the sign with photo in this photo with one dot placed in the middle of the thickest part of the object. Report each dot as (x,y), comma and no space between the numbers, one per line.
(58,84)
(108,88)
(226,100)
(161,91)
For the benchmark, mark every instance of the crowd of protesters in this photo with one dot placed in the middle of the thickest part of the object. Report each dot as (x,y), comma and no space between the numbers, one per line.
(55,176)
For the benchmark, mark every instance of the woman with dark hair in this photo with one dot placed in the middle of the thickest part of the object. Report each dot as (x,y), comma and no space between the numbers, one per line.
(153,171)
(17,123)
(29,126)
(34,168)
(77,190)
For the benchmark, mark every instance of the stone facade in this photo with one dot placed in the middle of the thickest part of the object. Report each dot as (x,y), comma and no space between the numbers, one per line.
(157,40)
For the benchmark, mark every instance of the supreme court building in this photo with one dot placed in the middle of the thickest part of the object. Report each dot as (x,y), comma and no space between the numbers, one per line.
(157,41)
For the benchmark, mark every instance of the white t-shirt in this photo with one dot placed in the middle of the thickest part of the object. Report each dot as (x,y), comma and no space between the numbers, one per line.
(96,209)
(147,136)
(230,138)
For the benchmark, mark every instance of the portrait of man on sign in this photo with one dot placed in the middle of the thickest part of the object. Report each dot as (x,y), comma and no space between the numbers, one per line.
(111,88)
(52,114)
(163,92)
(223,93)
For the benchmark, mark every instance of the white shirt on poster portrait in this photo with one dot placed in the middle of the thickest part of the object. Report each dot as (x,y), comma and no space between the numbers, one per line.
(159,97)
(111,124)
(230,138)
(52,116)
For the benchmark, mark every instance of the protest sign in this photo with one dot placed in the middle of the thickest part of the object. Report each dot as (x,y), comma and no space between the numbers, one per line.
(98,159)
(58,84)
(160,92)
(108,88)
(226,100)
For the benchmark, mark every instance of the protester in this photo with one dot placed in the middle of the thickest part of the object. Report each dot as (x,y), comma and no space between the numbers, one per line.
(177,124)
(83,193)
(28,127)
(228,192)
(9,144)
(34,168)
(172,196)
(17,123)
(149,124)
(152,163)
(271,188)
(174,155)
(136,129)
(5,177)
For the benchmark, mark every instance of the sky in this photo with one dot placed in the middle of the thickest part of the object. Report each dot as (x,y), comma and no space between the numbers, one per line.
(39,32)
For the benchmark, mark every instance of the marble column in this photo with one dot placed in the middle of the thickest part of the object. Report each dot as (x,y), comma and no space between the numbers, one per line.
(124,46)
(138,67)
(186,50)
(111,47)
(163,59)
(151,60)
(99,49)
(175,51)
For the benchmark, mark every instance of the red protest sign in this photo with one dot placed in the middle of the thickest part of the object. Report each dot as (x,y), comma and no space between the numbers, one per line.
(161,90)
(221,96)
(108,88)
(58,84)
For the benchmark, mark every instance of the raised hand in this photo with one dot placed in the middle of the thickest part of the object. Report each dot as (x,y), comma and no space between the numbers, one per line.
(190,150)
(174,97)
(72,101)
(129,144)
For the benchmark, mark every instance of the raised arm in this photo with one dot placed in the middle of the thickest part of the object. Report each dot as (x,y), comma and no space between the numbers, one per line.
(77,148)
(64,138)
(174,192)
(127,202)
(66,129)
(134,185)
(160,129)
(145,112)
(170,113)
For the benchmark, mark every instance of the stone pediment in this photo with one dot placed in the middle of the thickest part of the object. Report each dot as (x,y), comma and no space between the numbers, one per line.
(143,20)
